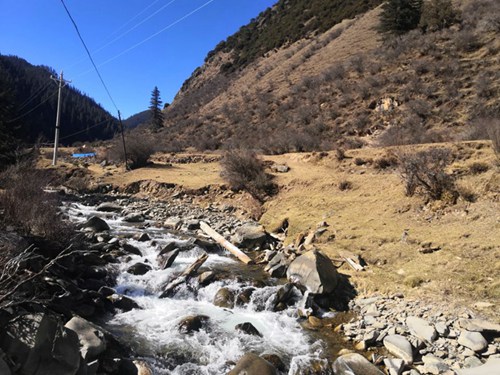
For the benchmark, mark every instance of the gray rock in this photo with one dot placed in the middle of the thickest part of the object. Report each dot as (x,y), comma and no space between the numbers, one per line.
(139,269)
(40,344)
(315,271)
(96,224)
(224,298)
(4,368)
(442,329)
(122,302)
(166,260)
(279,270)
(478,325)
(354,364)
(434,365)
(491,367)
(131,249)
(400,347)
(473,361)
(250,236)
(248,328)
(173,223)
(134,217)
(252,364)
(394,366)
(473,340)
(109,207)
(206,277)
(421,329)
(91,339)
(280,168)
(192,323)
(143,237)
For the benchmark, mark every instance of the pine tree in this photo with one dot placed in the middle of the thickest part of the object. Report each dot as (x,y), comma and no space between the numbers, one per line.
(155,108)
(400,16)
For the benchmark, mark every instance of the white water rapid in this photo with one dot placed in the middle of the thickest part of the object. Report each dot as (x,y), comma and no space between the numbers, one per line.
(153,331)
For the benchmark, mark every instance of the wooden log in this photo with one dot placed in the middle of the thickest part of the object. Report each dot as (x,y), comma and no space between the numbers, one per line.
(184,276)
(225,243)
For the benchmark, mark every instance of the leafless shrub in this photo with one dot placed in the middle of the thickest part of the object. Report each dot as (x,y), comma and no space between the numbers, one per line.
(357,63)
(345,185)
(486,128)
(467,41)
(139,147)
(340,154)
(27,206)
(243,170)
(423,173)
(466,193)
(385,162)
(360,161)
(336,72)
(420,107)
(484,87)
(478,167)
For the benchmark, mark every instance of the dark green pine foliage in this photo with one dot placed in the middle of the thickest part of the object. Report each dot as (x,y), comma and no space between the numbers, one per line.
(155,108)
(8,143)
(400,16)
(82,119)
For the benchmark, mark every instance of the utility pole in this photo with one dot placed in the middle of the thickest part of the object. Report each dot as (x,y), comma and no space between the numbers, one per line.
(61,82)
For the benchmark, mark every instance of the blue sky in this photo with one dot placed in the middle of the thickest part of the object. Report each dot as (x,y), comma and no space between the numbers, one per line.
(116,32)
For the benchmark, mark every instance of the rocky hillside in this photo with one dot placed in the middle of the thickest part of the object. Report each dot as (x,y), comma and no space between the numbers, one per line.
(341,83)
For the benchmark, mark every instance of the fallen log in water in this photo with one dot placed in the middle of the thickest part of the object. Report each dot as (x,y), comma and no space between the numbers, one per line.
(226,244)
(188,273)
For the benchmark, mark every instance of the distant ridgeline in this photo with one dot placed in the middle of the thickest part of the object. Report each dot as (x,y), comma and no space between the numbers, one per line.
(33,98)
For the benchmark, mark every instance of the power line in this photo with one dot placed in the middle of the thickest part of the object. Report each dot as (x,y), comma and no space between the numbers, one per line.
(33,96)
(100,77)
(153,35)
(133,18)
(134,27)
(85,130)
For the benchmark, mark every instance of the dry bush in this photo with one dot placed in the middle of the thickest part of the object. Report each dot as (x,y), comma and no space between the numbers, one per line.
(467,41)
(466,193)
(27,206)
(385,162)
(243,170)
(478,167)
(423,173)
(139,147)
(486,128)
(345,185)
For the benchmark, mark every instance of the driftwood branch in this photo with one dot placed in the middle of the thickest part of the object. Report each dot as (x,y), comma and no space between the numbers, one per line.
(188,273)
(225,243)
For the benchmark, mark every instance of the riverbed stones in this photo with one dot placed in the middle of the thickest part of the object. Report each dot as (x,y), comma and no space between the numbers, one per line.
(122,302)
(109,207)
(252,364)
(92,341)
(354,364)
(139,269)
(421,329)
(473,340)
(478,325)
(166,260)
(394,366)
(224,298)
(206,277)
(96,224)
(400,347)
(314,271)
(491,367)
(131,249)
(134,217)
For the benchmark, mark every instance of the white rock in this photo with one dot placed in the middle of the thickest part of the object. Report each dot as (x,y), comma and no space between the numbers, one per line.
(395,366)
(473,340)
(421,329)
(400,347)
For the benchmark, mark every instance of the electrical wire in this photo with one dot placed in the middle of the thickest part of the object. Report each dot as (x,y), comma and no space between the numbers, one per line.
(152,36)
(133,27)
(33,96)
(84,130)
(90,56)
(132,19)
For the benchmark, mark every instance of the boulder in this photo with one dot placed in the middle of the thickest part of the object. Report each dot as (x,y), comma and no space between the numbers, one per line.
(433,365)
(354,364)
(166,260)
(421,329)
(134,217)
(250,236)
(314,271)
(192,323)
(394,366)
(109,207)
(400,347)
(131,249)
(479,325)
(92,341)
(473,340)
(40,344)
(139,269)
(248,328)
(206,277)
(252,364)
(96,224)
(143,237)
(123,302)
(224,298)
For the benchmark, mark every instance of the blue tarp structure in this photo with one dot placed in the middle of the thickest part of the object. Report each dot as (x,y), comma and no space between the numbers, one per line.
(87,155)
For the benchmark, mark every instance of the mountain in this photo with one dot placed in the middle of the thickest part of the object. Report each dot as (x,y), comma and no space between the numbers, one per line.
(138,119)
(33,102)
(312,75)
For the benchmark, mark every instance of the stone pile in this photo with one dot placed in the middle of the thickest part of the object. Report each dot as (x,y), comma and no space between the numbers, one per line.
(422,339)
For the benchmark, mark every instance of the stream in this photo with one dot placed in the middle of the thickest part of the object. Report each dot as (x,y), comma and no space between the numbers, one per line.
(153,330)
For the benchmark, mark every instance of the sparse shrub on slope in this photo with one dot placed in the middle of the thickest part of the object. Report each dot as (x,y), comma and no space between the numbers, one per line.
(139,147)
(423,173)
(243,170)
(437,15)
(27,206)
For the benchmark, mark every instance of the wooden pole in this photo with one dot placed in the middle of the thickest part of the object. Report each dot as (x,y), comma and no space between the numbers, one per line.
(225,244)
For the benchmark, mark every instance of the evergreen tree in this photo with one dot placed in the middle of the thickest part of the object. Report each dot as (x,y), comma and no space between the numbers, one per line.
(155,108)
(7,142)
(437,15)
(400,16)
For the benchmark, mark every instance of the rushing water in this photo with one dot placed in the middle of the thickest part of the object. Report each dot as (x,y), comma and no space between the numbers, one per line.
(153,330)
